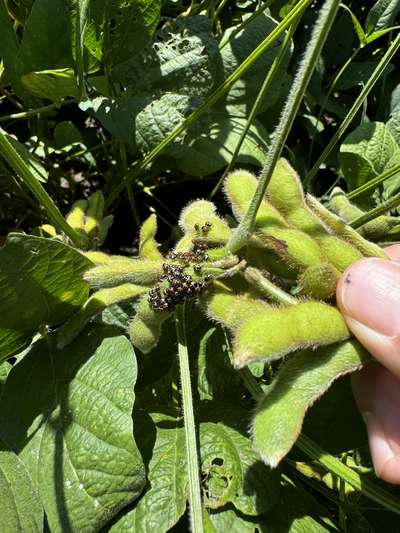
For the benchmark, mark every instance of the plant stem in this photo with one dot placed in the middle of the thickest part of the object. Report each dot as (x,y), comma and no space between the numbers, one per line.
(315,452)
(138,167)
(355,107)
(37,111)
(365,486)
(195,505)
(372,184)
(300,82)
(390,204)
(265,86)
(266,287)
(22,169)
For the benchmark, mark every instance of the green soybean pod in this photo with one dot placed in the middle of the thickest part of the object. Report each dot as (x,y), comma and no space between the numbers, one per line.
(281,330)
(199,218)
(145,328)
(148,246)
(319,281)
(93,306)
(239,188)
(76,217)
(124,270)
(229,308)
(94,213)
(285,191)
(344,231)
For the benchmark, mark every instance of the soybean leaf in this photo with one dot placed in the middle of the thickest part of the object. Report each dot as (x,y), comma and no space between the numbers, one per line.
(357,26)
(367,152)
(382,15)
(215,375)
(20,507)
(232,470)
(228,520)
(20,9)
(127,26)
(162,442)
(51,84)
(4,370)
(242,95)
(41,284)
(46,42)
(357,73)
(299,383)
(72,427)
(8,43)
(393,125)
(66,134)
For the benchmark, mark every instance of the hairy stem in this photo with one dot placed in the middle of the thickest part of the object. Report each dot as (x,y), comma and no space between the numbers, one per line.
(300,82)
(390,204)
(196,512)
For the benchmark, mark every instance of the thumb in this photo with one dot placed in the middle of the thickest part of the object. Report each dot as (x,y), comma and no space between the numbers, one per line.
(368,295)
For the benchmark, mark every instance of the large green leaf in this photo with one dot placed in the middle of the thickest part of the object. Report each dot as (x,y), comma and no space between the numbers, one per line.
(71,424)
(232,470)
(242,95)
(162,442)
(382,15)
(41,284)
(367,152)
(46,42)
(122,27)
(51,84)
(8,43)
(228,521)
(299,383)
(20,507)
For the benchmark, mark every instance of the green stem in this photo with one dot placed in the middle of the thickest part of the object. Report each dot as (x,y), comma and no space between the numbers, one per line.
(390,204)
(212,99)
(22,169)
(365,486)
(37,111)
(195,505)
(355,107)
(300,82)
(310,448)
(267,288)
(265,86)
(372,184)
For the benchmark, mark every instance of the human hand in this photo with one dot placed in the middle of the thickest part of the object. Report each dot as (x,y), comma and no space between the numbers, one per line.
(368,294)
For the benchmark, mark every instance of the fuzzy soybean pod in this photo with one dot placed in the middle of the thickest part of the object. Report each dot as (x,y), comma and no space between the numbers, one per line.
(285,192)
(199,218)
(124,270)
(374,230)
(93,306)
(94,214)
(148,246)
(344,231)
(224,305)
(319,281)
(145,328)
(281,330)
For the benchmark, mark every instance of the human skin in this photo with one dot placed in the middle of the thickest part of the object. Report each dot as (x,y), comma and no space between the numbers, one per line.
(368,294)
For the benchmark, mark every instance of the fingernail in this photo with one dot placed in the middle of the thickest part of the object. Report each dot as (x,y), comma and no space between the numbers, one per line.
(370,293)
(380,447)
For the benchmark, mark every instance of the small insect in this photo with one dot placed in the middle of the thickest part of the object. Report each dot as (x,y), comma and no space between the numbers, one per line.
(206,227)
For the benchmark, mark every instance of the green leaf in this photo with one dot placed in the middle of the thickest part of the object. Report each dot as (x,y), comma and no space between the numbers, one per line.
(162,442)
(20,9)
(66,134)
(382,15)
(20,506)
(41,284)
(182,59)
(127,26)
(4,370)
(35,166)
(232,470)
(367,152)
(52,84)
(215,375)
(228,521)
(8,43)
(357,26)
(72,427)
(46,42)
(241,96)
(357,73)
(299,383)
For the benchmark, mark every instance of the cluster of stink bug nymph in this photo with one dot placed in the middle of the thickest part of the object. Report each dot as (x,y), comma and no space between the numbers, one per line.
(175,285)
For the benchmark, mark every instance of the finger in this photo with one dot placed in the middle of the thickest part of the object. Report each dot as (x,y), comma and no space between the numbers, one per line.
(393,252)
(377,393)
(368,294)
